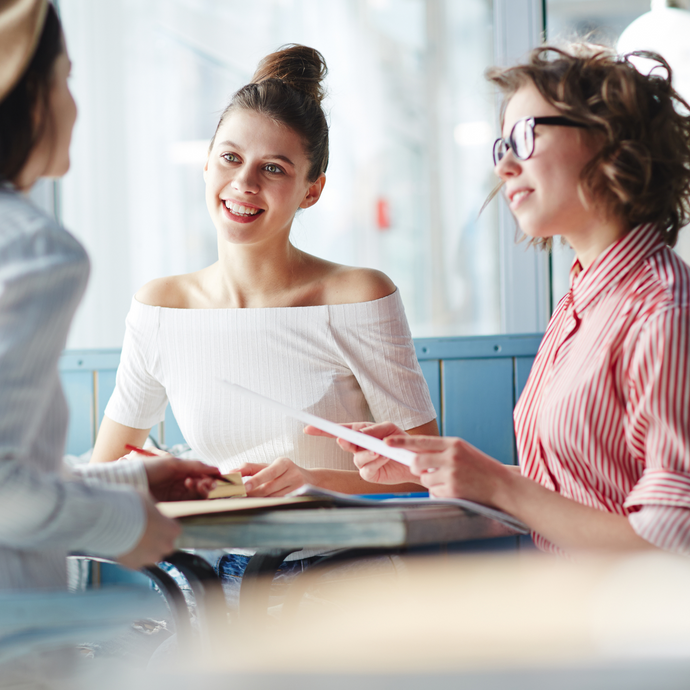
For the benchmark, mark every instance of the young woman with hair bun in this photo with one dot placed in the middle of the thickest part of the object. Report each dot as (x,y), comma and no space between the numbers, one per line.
(318,336)
(597,152)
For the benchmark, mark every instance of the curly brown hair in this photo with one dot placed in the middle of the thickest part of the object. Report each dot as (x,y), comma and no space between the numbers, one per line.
(642,171)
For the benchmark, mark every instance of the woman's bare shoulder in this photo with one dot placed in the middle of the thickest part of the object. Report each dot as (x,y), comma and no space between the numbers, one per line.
(348,284)
(173,292)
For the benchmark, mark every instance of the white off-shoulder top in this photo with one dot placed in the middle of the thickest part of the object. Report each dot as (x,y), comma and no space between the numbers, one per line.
(344,362)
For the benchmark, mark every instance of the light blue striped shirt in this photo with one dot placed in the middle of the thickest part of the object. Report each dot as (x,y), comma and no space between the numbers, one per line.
(46,510)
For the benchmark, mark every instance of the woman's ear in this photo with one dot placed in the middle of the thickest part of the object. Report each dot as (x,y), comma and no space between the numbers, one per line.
(205,169)
(314,192)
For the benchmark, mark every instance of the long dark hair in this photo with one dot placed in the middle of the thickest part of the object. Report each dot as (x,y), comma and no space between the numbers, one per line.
(24,112)
(286,87)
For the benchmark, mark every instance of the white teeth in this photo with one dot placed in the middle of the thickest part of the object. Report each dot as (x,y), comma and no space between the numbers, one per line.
(520,195)
(240,210)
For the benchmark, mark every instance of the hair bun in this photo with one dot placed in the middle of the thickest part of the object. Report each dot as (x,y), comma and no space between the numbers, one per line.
(300,67)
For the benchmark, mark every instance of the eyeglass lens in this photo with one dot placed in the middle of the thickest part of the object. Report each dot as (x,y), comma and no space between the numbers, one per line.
(521,140)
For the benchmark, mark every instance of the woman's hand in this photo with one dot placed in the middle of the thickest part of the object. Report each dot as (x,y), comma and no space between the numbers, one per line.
(452,468)
(277,479)
(372,466)
(172,479)
(157,541)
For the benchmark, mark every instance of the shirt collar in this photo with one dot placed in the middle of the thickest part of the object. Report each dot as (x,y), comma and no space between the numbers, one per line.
(613,264)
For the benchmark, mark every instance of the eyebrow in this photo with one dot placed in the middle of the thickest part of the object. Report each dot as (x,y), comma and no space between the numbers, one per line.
(278,156)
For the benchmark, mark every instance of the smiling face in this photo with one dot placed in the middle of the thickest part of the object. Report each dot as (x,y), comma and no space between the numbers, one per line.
(542,191)
(256,179)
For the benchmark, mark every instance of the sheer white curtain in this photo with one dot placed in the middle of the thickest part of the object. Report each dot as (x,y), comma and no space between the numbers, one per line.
(412,123)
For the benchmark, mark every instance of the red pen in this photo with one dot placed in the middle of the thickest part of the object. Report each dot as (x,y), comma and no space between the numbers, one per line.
(149,454)
(143,451)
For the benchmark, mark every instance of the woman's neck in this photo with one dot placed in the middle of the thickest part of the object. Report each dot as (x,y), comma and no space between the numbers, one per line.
(591,241)
(258,276)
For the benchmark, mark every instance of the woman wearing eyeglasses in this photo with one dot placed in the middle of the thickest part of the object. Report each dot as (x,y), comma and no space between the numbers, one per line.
(598,153)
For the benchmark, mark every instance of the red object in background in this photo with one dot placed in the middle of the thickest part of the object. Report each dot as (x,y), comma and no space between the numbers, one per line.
(383,214)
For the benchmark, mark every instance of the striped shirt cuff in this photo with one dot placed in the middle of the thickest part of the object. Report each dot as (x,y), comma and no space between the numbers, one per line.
(667,527)
(659,486)
(115,525)
(124,471)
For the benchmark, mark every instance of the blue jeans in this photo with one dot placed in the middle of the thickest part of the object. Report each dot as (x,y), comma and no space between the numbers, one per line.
(230,568)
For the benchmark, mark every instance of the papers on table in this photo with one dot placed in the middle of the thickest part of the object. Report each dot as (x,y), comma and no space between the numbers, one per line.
(400,455)
(233,486)
(345,500)
(184,509)
(308,496)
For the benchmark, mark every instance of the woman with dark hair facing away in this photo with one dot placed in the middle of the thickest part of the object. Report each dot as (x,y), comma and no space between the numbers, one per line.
(599,153)
(318,336)
(47,511)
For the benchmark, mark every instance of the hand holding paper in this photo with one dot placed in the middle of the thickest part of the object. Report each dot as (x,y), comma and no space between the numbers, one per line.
(376,445)
(373,467)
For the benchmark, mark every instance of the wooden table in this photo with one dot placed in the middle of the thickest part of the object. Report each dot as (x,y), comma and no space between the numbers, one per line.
(339,528)
(357,531)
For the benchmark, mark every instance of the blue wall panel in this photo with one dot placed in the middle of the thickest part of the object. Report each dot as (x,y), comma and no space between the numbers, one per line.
(77,369)
(476,346)
(431,369)
(523,365)
(78,387)
(478,404)
(114,574)
(173,435)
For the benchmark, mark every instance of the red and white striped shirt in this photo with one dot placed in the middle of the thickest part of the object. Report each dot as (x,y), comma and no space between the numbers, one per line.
(605,416)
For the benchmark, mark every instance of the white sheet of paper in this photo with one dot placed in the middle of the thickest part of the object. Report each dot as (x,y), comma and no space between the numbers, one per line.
(400,455)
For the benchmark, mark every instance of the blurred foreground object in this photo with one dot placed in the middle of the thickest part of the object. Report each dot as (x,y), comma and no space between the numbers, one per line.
(479,622)
(39,630)
(21,23)
(485,612)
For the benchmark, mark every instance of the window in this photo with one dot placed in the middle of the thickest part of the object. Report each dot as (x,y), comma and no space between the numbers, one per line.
(412,123)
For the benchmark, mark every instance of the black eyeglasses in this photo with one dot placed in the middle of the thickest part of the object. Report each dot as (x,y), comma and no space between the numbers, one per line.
(521,139)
